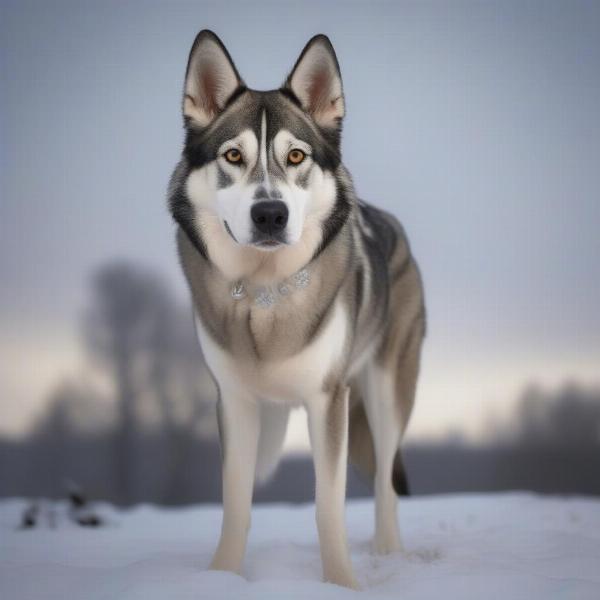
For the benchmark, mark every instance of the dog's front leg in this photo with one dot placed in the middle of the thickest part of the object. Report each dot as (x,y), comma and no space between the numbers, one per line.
(239,426)
(328,427)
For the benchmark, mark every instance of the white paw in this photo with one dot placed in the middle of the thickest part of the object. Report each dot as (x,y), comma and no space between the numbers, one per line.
(342,576)
(225,561)
(387,543)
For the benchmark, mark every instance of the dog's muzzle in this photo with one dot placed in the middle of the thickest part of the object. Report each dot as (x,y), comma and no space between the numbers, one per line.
(270,220)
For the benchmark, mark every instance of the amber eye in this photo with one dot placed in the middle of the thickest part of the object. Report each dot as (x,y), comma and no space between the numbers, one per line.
(233,156)
(295,157)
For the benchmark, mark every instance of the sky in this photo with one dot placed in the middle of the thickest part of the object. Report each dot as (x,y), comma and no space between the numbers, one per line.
(476,123)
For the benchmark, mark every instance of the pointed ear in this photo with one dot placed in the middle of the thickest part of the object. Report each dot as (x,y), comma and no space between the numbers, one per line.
(316,81)
(210,79)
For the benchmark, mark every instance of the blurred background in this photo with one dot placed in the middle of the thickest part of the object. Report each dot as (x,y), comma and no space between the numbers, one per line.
(476,123)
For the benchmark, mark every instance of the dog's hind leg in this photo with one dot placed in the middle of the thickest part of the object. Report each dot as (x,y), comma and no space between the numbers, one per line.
(388,389)
(380,406)
(273,426)
(239,428)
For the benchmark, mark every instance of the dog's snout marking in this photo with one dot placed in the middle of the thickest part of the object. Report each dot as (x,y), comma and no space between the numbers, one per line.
(261,193)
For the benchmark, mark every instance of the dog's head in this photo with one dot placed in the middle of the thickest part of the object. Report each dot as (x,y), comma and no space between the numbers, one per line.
(260,166)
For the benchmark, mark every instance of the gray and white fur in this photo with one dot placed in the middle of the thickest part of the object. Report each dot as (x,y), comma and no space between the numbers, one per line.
(260,194)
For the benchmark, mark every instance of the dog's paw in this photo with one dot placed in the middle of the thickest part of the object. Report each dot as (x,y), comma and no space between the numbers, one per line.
(386,543)
(343,577)
(223,561)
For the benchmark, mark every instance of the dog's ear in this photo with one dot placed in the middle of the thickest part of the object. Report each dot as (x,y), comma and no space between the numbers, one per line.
(210,79)
(316,82)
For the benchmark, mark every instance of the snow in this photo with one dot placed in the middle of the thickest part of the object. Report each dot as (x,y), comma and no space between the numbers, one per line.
(505,546)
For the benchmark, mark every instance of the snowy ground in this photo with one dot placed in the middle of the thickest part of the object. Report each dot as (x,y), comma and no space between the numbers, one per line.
(508,546)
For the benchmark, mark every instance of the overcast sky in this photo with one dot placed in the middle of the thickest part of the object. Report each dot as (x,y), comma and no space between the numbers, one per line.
(476,123)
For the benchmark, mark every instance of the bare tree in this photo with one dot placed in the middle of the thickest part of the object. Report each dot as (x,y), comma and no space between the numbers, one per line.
(568,416)
(129,315)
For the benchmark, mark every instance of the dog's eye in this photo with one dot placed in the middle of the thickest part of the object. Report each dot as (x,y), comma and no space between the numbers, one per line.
(295,157)
(233,156)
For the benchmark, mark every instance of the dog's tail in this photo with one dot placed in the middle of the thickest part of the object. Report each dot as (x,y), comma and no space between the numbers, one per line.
(361,452)
(399,478)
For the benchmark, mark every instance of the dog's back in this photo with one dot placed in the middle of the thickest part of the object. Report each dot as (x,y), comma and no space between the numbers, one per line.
(399,287)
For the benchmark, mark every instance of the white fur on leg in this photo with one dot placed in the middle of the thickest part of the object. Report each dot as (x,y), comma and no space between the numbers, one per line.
(330,477)
(380,407)
(240,431)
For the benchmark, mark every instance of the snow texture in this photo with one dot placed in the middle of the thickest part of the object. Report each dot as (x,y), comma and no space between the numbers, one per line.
(490,546)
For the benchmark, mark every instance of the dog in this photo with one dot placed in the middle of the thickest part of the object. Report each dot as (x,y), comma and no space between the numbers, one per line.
(303,294)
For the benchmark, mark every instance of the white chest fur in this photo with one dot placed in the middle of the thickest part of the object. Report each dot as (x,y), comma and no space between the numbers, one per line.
(291,380)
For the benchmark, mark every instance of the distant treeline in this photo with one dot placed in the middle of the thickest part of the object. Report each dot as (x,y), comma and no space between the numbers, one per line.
(36,469)
(140,425)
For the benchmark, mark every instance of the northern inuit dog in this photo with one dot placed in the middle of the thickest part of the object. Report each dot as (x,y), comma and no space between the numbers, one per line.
(303,294)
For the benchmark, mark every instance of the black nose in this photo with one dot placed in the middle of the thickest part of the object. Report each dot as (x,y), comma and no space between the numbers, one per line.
(270,217)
